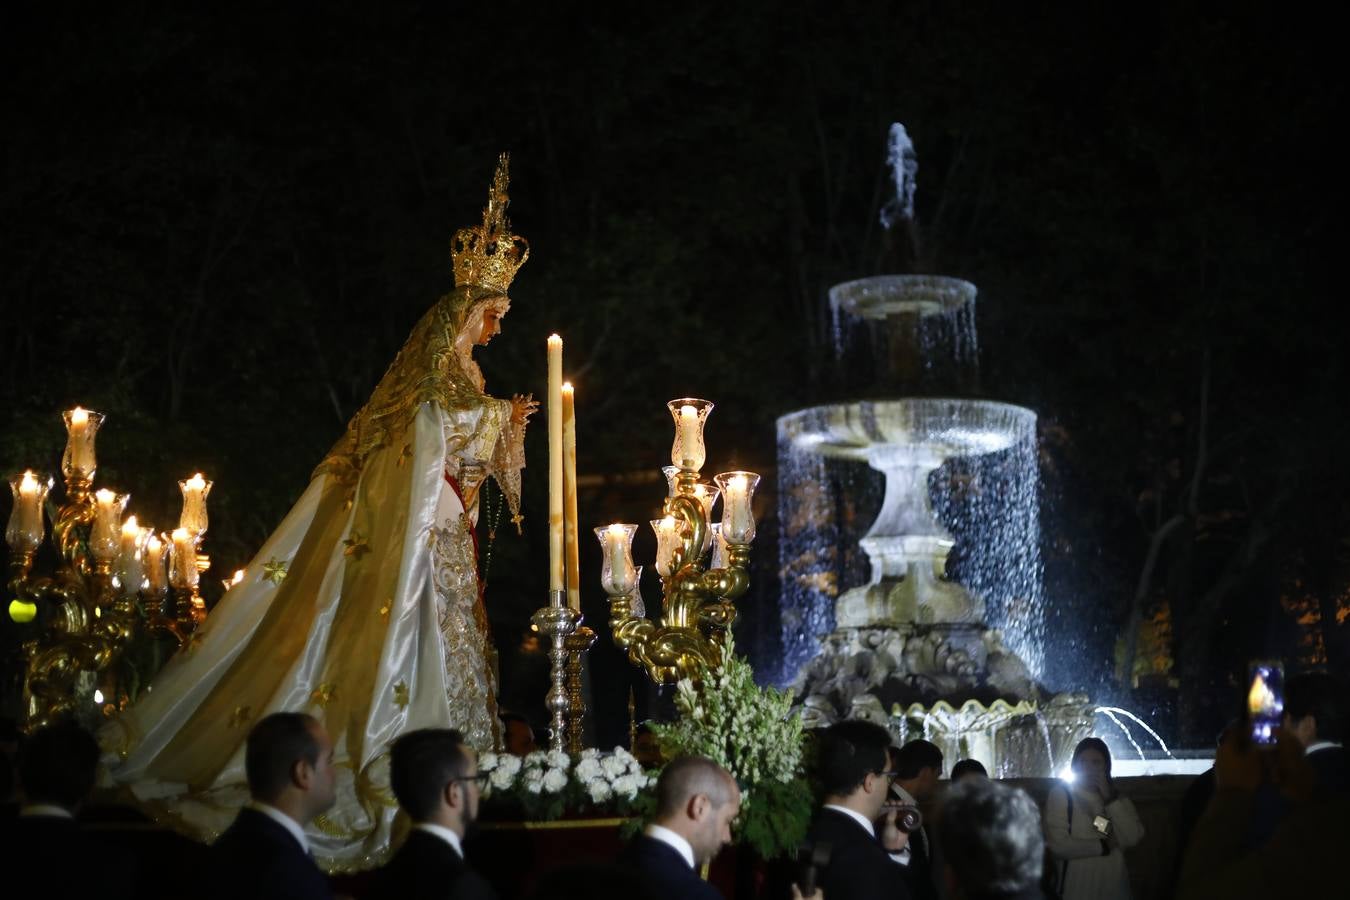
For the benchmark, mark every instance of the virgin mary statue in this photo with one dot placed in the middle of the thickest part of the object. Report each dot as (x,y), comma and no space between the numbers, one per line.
(364,607)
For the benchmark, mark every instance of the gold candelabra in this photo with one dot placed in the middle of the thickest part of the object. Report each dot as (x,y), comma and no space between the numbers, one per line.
(704,567)
(576,645)
(109,577)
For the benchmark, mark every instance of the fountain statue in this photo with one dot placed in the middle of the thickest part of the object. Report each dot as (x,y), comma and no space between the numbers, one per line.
(912,648)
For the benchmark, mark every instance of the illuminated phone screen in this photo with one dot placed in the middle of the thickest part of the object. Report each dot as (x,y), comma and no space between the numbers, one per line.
(1265,700)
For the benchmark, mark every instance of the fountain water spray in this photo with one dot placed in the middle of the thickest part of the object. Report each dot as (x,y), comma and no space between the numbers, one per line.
(1112,711)
(954,651)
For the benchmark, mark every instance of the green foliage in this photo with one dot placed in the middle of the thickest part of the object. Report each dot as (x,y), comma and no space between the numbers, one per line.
(753,733)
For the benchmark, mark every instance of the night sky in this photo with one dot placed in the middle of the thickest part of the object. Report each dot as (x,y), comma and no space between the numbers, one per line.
(219,227)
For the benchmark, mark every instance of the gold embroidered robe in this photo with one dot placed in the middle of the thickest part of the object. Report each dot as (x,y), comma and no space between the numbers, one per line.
(363,609)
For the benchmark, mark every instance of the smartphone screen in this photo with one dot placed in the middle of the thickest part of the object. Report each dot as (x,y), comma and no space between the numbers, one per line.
(1265,700)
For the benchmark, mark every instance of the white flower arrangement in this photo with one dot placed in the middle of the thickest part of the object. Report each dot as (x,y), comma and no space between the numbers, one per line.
(547,784)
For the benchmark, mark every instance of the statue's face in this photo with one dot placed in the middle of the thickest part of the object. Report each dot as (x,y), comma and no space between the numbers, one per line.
(490,325)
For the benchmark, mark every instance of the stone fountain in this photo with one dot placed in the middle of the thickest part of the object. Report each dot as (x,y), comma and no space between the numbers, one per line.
(912,648)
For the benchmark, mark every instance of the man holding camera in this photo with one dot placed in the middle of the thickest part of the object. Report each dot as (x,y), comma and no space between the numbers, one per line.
(852,767)
(918,766)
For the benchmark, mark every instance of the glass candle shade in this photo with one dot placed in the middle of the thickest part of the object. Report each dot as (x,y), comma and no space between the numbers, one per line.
(618,575)
(105,539)
(719,557)
(130,560)
(183,560)
(672,484)
(26,529)
(707,495)
(667,541)
(738,517)
(195,490)
(79,461)
(156,576)
(689,414)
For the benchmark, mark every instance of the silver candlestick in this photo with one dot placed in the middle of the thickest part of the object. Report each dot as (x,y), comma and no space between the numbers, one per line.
(556,622)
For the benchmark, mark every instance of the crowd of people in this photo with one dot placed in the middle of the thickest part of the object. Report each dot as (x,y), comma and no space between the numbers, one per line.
(1271,819)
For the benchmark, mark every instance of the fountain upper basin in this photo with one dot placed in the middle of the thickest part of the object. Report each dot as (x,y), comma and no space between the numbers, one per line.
(884,296)
(919,431)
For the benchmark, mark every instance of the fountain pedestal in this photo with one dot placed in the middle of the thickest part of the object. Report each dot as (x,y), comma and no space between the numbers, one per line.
(908,550)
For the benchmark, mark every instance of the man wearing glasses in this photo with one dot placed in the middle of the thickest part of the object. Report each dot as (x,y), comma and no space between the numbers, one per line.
(435,777)
(851,763)
(918,766)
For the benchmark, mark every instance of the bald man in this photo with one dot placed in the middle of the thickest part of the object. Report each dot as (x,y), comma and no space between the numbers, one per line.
(696,801)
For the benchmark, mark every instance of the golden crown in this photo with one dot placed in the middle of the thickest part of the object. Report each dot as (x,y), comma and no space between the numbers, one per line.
(489,255)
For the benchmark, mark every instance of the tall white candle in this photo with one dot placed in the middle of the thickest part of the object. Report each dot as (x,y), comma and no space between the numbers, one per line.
(555,466)
(571,551)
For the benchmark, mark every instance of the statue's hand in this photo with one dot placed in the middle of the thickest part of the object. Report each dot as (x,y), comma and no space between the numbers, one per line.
(522,407)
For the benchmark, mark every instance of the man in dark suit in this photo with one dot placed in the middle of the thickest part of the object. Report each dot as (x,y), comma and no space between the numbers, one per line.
(918,766)
(56,768)
(1315,713)
(289,763)
(696,800)
(851,763)
(435,777)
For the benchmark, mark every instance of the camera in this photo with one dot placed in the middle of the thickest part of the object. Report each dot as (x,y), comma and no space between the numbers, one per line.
(907,816)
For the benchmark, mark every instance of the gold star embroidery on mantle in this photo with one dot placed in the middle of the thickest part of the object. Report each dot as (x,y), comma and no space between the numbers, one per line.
(384,610)
(323,695)
(275,570)
(401,695)
(240,715)
(355,546)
